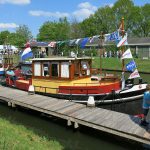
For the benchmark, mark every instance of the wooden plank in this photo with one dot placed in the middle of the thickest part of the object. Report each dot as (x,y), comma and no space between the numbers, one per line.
(59,107)
(87,113)
(36,101)
(54,104)
(94,115)
(43,102)
(71,109)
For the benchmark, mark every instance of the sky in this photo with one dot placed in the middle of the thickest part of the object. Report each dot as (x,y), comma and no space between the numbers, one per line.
(34,13)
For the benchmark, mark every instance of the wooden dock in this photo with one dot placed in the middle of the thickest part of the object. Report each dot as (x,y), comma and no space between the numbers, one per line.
(119,124)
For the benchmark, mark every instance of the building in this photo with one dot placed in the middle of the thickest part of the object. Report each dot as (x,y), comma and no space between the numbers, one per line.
(141,47)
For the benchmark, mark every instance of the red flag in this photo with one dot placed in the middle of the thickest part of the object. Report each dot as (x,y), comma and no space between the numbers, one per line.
(27,44)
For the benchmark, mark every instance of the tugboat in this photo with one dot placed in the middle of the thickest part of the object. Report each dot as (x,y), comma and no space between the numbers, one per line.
(70,78)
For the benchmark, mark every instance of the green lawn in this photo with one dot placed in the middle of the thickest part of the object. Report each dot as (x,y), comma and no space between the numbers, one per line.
(116,64)
(17,137)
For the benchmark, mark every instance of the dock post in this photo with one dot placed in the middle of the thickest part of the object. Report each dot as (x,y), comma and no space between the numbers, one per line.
(76,125)
(69,123)
(13,105)
(9,103)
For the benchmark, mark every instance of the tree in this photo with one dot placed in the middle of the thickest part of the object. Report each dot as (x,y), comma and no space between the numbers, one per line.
(4,37)
(23,34)
(145,22)
(104,20)
(75,30)
(54,30)
(89,26)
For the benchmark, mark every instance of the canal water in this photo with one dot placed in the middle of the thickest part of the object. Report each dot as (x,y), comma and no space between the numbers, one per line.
(71,139)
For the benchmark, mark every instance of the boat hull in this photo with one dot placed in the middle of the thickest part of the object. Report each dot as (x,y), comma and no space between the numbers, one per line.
(115,97)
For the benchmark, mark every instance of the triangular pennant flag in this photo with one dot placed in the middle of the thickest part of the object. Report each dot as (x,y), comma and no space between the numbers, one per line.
(135,74)
(123,41)
(127,54)
(131,66)
(121,26)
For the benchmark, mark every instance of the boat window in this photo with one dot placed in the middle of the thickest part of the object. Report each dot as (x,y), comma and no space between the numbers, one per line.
(45,71)
(65,69)
(55,70)
(85,68)
(37,69)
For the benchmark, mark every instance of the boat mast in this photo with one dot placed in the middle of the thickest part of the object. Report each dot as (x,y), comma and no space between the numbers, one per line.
(101,50)
(123,47)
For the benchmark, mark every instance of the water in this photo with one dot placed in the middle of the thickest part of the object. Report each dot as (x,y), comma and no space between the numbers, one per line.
(82,139)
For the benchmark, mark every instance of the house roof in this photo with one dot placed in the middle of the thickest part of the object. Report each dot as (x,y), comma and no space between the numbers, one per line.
(139,41)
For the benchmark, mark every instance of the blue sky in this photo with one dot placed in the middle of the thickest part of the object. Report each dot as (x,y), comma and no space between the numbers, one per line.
(34,13)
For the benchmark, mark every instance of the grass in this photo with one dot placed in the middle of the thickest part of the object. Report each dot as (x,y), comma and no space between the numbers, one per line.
(116,64)
(17,137)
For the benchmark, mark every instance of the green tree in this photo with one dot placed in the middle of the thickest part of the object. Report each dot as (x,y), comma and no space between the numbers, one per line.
(123,8)
(75,31)
(145,23)
(54,30)
(23,34)
(104,17)
(4,37)
(89,26)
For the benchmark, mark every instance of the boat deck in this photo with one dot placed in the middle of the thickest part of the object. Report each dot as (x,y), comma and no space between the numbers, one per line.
(115,123)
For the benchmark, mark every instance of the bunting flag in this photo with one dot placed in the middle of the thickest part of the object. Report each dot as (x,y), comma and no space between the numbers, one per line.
(127,54)
(123,41)
(52,44)
(135,74)
(27,53)
(131,66)
(83,42)
(77,41)
(94,37)
(72,42)
(112,36)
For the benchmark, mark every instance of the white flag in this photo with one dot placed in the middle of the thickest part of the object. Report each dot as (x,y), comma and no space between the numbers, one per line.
(52,44)
(123,41)
(135,74)
(127,54)
(77,41)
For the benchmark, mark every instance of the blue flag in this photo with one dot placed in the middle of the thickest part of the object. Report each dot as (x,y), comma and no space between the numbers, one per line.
(131,66)
(83,42)
(112,36)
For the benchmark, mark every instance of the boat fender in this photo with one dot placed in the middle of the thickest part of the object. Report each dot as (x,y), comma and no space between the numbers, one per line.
(91,101)
(31,89)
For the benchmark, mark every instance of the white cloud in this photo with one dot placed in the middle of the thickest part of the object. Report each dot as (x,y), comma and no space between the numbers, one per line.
(48,14)
(84,10)
(17,2)
(8,25)
(110,5)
